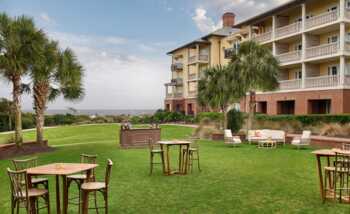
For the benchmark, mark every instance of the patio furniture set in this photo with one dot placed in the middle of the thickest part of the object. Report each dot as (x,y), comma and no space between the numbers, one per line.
(188,153)
(334,178)
(27,187)
(268,138)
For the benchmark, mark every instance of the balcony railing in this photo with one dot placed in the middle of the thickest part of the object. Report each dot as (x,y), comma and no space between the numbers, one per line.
(288,30)
(322,50)
(322,81)
(347,13)
(174,95)
(347,80)
(177,66)
(290,84)
(192,76)
(229,52)
(201,58)
(321,19)
(264,37)
(177,81)
(289,57)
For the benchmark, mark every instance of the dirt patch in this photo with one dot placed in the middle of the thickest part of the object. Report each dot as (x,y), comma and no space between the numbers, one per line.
(8,151)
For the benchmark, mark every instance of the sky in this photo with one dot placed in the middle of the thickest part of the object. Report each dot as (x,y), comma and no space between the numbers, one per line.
(122,44)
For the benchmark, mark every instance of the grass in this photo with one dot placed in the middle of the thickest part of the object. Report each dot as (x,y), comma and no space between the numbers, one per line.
(233,180)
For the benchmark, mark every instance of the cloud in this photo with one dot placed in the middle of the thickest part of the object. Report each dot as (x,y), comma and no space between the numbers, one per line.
(46,18)
(204,23)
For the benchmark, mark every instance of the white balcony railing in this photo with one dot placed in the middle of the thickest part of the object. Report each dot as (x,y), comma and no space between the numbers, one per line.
(288,30)
(322,81)
(174,95)
(200,58)
(347,80)
(264,37)
(177,66)
(192,93)
(290,84)
(289,57)
(321,19)
(322,50)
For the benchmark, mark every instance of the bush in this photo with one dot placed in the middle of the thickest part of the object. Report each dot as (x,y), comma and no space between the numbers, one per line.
(213,116)
(28,121)
(235,120)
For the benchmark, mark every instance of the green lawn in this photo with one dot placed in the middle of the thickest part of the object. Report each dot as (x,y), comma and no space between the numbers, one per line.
(233,180)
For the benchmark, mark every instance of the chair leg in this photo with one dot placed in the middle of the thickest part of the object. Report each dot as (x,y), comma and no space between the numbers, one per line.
(151,162)
(47,200)
(199,168)
(106,201)
(85,204)
(95,200)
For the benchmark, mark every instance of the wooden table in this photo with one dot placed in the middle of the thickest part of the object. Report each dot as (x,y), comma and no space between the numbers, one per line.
(267,144)
(324,153)
(183,160)
(60,169)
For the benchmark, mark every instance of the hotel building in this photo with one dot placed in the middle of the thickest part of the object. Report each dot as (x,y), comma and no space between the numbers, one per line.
(310,38)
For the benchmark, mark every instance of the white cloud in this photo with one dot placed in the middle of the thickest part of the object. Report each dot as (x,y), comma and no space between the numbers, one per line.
(46,18)
(204,23)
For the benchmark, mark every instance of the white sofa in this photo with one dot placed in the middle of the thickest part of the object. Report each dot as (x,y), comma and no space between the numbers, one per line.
(265,134)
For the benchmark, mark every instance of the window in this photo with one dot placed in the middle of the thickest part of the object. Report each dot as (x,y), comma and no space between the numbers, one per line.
(332,39)
(332,9)
(332,70)
(298,75)
(298,47)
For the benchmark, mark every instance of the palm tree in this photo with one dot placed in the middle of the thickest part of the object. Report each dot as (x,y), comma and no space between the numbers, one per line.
(258,71)
(6,106)
(19,48)
(218,89)
(57,73)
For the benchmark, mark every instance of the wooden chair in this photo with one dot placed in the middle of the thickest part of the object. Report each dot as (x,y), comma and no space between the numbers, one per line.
(153,151)
(95,187)
(193,154)
(79,179)
(22,195)
(337,177)
(30,163)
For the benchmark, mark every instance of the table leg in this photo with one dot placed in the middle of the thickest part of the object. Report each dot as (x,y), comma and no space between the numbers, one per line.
(65,194)
(58,202)
(180,159)
(85,199)
(186,158)
(168,160)
(163,159)
(32,201)
(320,176)
(329,173)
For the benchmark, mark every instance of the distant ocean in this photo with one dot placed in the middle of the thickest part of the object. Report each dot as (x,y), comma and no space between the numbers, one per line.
(100,111)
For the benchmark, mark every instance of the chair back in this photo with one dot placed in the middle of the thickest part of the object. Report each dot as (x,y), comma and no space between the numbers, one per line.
(346,147)
(19,183)
(306,135)
(342,162)
(108,171)
(228,133)
(90,159)
(194,141)
(25,163)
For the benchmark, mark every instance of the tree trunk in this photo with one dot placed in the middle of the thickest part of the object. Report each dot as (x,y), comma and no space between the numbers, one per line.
(40,97)
(16,93)
(225,119)
(251,110)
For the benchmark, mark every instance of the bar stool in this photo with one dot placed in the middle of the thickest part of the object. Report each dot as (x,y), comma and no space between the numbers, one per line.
(24,164)
(155,150)
(95,187)
(193,154)
(79,179)
(21,194)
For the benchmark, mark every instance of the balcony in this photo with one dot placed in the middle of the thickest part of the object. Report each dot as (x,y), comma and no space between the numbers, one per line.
(202,58)
(192,77)
(288,30)
(322,50)
(228,52)
(174,95)
(177,81)
(192,93)
(264,37)
(322,19)
(290,84)
(289,57)
(177,66)
(322,81)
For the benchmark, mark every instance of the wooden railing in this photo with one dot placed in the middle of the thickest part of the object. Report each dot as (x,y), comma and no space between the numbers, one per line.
(289,84)
(264,37)
(289,57)
(322,81)
(289,29)
(321,19)
(201,57)
(322,50)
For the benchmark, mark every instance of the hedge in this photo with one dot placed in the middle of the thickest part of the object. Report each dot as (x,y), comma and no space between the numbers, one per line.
(307,120)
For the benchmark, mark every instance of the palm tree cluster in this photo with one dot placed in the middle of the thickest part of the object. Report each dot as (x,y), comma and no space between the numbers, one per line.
(26,50)
(252,68)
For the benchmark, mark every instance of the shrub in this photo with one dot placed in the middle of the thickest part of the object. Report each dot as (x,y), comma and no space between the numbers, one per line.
(235,120)
(213,116)
(28,121)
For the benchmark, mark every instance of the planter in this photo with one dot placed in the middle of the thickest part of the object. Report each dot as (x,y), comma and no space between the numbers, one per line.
(10,150)
(217,136)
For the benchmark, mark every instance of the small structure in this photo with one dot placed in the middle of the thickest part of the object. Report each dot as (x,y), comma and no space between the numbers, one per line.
(138,137)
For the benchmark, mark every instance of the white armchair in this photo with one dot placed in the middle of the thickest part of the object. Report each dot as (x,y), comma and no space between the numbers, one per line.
(302,141)
(232,140)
